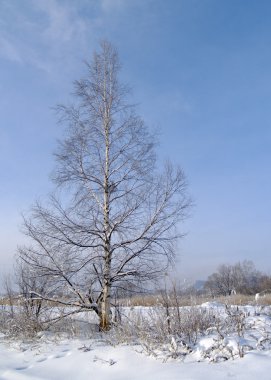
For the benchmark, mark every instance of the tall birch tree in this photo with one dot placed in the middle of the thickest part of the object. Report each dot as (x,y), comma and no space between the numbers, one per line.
(114,216)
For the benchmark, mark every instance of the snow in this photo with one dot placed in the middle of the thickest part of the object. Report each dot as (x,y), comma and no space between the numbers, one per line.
(77,359)
(51,356)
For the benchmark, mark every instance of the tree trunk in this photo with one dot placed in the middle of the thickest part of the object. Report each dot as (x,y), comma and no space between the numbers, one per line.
(105,312)
(105,317)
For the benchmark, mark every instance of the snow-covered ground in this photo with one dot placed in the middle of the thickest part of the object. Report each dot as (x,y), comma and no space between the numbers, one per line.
(53,358)
(65,360)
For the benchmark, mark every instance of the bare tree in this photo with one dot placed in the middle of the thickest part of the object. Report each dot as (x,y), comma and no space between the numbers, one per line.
(113,218)
(241,277)
(221,282)
(28,283)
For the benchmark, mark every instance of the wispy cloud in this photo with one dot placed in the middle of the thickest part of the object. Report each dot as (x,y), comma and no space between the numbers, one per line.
(9,51)
(41,32)
(51,35)
(63,22)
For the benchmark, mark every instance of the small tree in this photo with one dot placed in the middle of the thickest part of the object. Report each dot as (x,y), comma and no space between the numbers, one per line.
(24,314)
(113,218)
(28,283)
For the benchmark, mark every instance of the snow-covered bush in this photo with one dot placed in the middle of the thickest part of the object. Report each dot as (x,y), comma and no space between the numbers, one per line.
(212,331)
(173,330)
(16,323)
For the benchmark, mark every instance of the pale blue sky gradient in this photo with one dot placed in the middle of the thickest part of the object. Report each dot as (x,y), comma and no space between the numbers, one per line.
(201,73)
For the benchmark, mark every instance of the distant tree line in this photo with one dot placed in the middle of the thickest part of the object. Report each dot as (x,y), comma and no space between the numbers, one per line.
(242,278)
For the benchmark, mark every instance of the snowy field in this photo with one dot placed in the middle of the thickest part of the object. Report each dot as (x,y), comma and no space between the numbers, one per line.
(65,360)
(54,358)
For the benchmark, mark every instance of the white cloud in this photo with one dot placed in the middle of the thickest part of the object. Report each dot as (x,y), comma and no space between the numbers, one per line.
(9,51)
(41,32)
(63,22)
(44,33)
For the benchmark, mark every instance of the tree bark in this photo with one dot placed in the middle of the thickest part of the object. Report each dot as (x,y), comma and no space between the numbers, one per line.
(105,317)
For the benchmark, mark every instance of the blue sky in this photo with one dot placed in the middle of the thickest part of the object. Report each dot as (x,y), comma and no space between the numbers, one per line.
(201,73)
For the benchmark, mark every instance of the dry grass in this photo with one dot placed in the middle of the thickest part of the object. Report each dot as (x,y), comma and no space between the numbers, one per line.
(4,301)
(17,301)
(153,300)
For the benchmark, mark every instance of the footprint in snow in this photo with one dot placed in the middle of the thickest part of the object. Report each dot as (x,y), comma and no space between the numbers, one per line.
(41,360)
(22,368)
(62,354)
